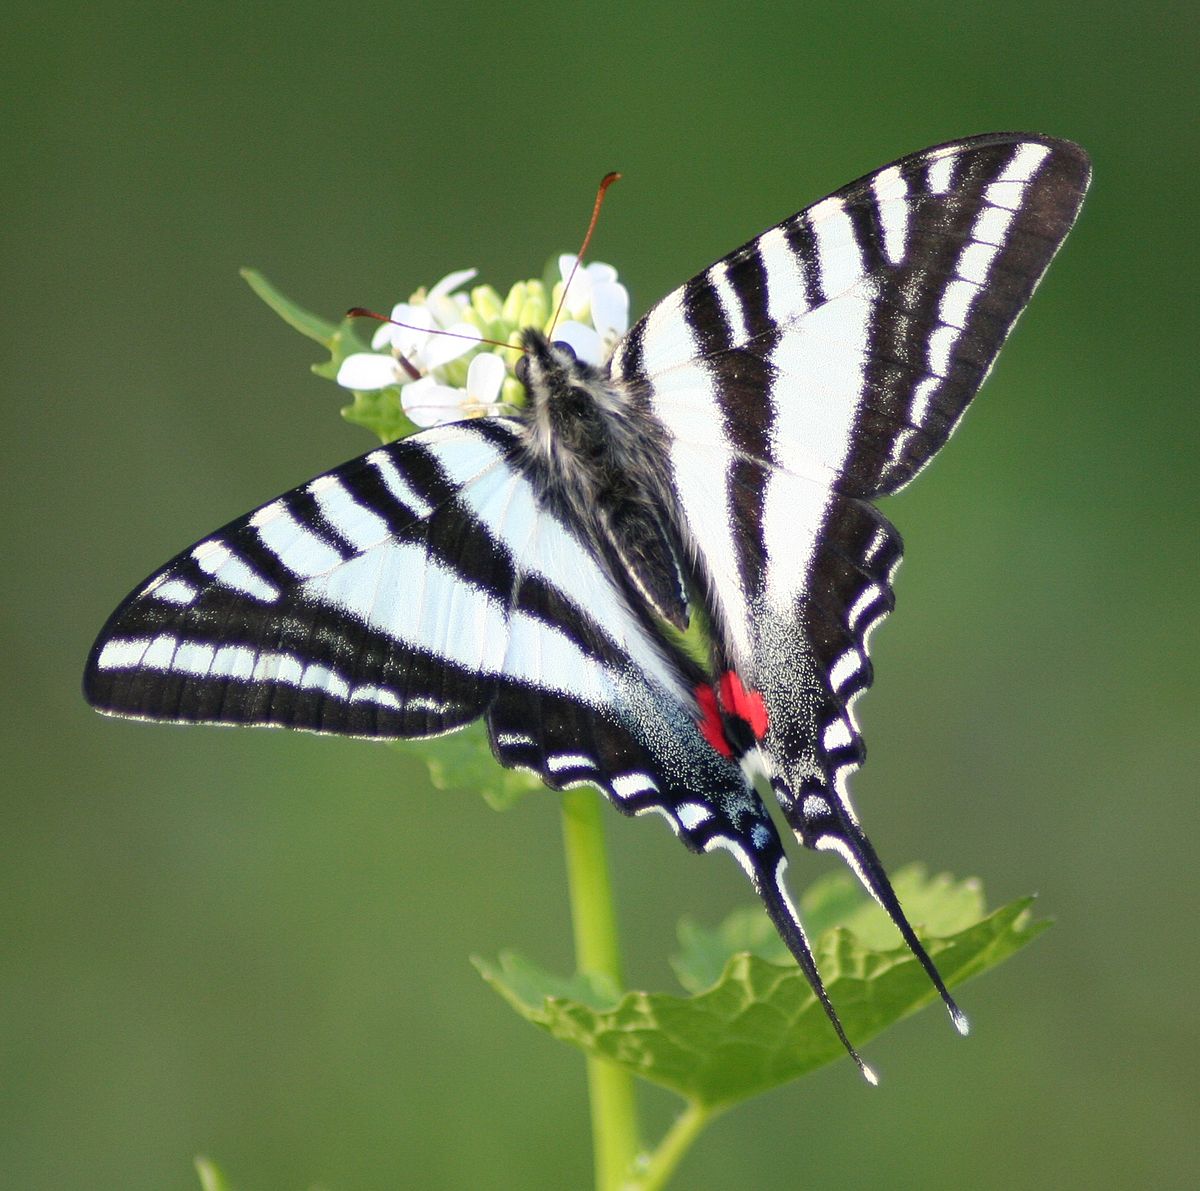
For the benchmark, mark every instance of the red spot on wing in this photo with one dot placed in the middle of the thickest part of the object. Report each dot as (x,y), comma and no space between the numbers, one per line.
(711,727)
(746,705)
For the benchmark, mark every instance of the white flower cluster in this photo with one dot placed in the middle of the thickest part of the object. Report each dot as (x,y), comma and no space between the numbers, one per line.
(457,376)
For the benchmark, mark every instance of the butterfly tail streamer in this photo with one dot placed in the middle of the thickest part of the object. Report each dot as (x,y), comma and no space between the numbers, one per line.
(787,922)
(856,849)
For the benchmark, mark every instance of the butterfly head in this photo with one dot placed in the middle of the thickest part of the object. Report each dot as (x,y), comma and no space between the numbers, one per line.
(567,397)
(546,364)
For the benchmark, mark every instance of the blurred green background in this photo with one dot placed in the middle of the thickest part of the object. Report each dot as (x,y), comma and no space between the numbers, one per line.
(255,945)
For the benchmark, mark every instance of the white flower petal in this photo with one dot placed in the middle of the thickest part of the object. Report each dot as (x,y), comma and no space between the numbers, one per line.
(451,282)
(445,311)
(601,274)
(412,338)
(610,309)
(484,378)
(406,339)
(566,262)
(366,371)
(441,349)
(584,341)
(446,306)
(415,315)
(427,403)
(579,294)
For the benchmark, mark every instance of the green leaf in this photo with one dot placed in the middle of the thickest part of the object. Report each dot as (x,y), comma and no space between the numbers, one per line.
(310,325)
(379,411)
(706,951)
(211,1178)
(757,1024)
(528,983)
(463,760)
(937,906)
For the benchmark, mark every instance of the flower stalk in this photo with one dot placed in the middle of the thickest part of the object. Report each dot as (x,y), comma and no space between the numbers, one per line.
(597,953)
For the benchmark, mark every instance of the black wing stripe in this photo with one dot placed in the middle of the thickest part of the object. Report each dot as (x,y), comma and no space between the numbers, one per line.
(707,310)
(319,510)
(743,280)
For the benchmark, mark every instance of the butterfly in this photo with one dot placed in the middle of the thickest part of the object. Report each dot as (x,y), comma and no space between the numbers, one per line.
(535,570)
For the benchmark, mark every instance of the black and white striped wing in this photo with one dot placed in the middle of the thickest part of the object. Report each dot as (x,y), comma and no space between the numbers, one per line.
(819,366)
(404,594)
(414,590)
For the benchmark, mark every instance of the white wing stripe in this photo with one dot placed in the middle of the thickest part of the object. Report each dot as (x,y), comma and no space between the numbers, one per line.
(793,514)
(786,293)
(296,548)
(859,608)
(215,558)
(173,591)
(837,735)
(701,478)
(976,262)
(471,457)
(626,785)
(957,299)
(890,188)
(1025,163)
(992,225)
(941,172)
(240,662)
(398,486)
(838,250)
(731,305)
(667,339)
(692,814)
(846,667)
(358,525)
(557,762)
(823,358)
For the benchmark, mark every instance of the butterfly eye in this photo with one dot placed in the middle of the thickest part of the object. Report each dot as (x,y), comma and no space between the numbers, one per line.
(565,349)
(521,370)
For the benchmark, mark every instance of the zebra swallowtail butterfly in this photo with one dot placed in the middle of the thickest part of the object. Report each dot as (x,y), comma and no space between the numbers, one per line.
(525,569)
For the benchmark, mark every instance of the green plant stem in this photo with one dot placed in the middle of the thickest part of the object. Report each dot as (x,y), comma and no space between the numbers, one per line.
(678,1140)
(593,915)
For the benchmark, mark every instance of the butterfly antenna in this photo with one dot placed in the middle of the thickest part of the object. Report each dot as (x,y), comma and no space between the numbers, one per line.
(605,183)
(363,312)
(787,922)
(858,852)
